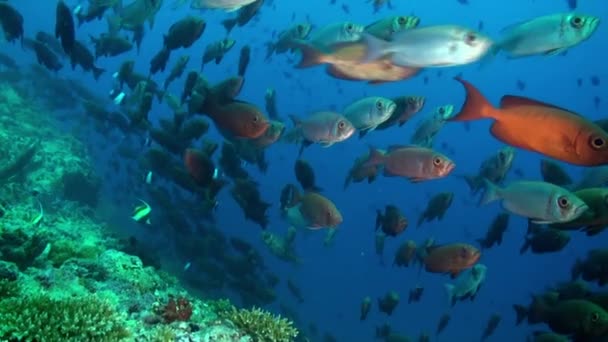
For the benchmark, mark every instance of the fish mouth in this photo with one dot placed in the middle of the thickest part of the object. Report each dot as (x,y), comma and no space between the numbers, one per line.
(579,210)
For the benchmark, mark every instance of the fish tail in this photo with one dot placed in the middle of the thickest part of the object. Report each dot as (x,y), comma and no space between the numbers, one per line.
(491,193)
(376,48)
(347,180)
(229,24)
(449,290)
(475,106)
(521,312)
(375,157)
(473,182)
(311,56)
(97,72)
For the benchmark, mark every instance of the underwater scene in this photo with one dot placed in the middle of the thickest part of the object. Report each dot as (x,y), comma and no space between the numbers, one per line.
(307,171)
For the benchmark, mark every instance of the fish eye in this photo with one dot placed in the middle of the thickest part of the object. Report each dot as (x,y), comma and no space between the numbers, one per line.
(255,118)
(595,317)
(577,22)
(563,202)
(379,104)
(471,37)
(349,27)
(341,124)
(437,161)
(441,110)
(597,142)
(300,28)
(401,20)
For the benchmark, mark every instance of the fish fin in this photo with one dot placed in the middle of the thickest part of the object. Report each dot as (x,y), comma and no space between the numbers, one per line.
(326,144)
(593,230)
(375,157)
(311,55)
(521,312)
(218,59)
(475,106)
(512,101)
(416,179)
(524,248)
(449,290)
(362,133)
(347,181)
(555,52)
(376,48)
(491,193)
(297,122)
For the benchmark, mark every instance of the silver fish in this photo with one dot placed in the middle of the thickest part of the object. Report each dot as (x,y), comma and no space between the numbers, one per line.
(324,128)
(432,46)
(227,5)
(368,113)
(540,201)
(467,284)
(333,34)
(551,34)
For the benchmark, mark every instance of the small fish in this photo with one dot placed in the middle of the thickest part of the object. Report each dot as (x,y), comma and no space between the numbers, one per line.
(542,202)
(217,50)
(324,128)
(451,258)
(431,46)
(392,222)
(386,28)
(332,34)
(313,211)
(38,218)
(415,163)
(142,213)
(466,285)
(366,306)
(369,112)
(244,58)
(64,27)
(149,178)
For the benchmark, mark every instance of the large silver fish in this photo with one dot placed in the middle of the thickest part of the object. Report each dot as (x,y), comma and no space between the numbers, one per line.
(432,46)
(227,5)
(333,34)
(551,34)
(540,201)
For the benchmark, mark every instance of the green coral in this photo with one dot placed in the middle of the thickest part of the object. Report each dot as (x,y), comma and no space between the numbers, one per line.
(63,250)
(42,318)
(9,288)
(261,325)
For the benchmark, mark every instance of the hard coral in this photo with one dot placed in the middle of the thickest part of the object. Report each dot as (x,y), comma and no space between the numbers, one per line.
(42,318)
(261,325)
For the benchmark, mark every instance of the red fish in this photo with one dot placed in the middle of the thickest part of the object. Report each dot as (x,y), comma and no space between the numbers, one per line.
(452,258)
(540,127)
(199,166)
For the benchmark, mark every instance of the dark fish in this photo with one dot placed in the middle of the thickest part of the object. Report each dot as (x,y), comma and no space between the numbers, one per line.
(443,323)
(244,60)
(243,16)
(595,81)
(138,36)
(51,42)
(544,240)
(572,4)
(490,326)
(495,231)
(177,70)
(271,104)
(46,57)
(108,45)
(388,303)
(11,22)
(366,306)
(159,61)
(93,12)
(80,55)
(392,222)
(184,33)
(554,173)
(305,176)
(415,294)
(64,27)
(191,80)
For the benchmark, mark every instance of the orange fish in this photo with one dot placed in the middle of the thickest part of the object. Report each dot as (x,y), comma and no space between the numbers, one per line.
(313,211)
(199,166)
(536,126)
(237,118)
(452,258)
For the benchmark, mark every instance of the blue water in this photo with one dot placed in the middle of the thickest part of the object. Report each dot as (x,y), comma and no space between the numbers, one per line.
(335,279)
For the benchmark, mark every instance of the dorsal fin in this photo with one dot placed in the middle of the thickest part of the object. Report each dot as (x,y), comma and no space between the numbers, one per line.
(510,101)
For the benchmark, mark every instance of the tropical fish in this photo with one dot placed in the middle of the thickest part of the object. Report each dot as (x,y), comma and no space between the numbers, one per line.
(313,211)
(324,128)
(332,34)
(467,284)
(550,34)
(227,5)
(451,258)
(142,213)
(386,28)
(431,46)
(412,162)
(369,112)
(542,202)
(540,127)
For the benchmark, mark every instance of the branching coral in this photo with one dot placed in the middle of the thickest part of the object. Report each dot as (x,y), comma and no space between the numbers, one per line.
(42,318)
(261,325)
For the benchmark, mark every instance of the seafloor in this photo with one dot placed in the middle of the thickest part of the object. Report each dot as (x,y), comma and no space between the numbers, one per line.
(65,275)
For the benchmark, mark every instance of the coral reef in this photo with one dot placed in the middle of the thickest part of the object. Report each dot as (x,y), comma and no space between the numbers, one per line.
(261,325)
